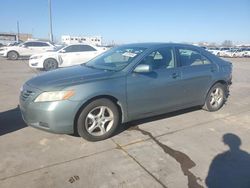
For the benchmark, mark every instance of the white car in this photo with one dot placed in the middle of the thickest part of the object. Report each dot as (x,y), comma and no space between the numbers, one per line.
(246,52)
(223,51)
(26,49)
(67,56)
(215,51)
(234,53)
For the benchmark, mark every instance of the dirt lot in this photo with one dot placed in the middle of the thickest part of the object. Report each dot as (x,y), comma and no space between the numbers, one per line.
(189,148)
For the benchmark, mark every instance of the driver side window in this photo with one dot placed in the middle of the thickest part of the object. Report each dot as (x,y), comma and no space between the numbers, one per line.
(162,58)
(28,44)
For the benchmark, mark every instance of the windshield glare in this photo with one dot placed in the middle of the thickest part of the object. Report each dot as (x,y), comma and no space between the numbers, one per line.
(116,59)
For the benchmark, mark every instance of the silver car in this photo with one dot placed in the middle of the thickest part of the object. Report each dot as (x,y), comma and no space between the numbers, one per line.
(126,83)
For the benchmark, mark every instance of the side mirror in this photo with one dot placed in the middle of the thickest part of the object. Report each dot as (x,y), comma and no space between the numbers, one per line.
(143,68)
(62,51)
(24,46)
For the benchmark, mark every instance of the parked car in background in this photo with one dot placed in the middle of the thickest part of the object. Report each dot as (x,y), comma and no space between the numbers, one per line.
(219,51)
(66,56)
(26,49)
(223,51)
(246,52)
(214,50)
(15,43)
(125,83)
(234,53)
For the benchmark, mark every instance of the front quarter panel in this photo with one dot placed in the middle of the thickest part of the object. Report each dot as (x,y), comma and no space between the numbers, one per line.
(113,87)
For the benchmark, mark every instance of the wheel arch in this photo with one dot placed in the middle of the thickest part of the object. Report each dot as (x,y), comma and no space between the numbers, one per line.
(221,81)
(49,58)
(52,59)
(13,51)
(110,97)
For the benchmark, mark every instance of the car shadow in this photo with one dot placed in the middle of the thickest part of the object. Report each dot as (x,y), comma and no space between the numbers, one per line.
(11,121)
(135,123)
(231,168)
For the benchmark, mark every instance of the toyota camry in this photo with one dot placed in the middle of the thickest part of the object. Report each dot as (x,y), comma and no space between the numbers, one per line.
(125,83)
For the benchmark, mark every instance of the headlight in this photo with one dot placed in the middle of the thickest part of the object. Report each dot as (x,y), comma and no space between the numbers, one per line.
(54,96)
(36,57)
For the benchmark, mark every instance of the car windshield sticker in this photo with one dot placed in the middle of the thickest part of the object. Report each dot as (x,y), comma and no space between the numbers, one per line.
(129,54)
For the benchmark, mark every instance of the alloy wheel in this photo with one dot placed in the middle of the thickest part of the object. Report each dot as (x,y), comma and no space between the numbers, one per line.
(216,97)
(99,121)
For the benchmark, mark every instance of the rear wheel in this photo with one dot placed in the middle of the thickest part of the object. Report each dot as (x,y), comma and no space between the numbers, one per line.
(50,64)
(98,120)
(216,97)
(12,55)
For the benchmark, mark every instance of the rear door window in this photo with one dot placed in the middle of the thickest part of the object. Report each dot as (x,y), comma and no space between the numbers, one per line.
(85,48)
(190,57)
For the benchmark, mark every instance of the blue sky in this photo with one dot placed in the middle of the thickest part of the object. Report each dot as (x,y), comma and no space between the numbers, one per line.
(132,20)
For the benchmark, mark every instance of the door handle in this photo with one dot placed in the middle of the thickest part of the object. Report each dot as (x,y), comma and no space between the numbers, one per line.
(175,75)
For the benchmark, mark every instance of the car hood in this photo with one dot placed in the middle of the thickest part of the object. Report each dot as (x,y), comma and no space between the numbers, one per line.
(61,78)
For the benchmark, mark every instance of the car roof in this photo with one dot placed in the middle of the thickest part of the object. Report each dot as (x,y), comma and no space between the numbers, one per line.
(44,41)
(159,44)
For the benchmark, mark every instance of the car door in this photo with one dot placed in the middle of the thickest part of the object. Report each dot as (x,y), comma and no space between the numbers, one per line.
(40,47)
(196,75)
(68,55)
(25,49)
(155,91)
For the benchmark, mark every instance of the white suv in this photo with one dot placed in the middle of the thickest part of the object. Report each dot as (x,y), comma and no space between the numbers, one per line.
(26,49)
(66,56)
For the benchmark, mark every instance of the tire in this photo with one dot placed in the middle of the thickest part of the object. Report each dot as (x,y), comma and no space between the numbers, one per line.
(216,97)
(98,120)
(12,55)
(50,64)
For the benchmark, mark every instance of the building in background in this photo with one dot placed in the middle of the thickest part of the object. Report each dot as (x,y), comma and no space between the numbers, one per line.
(95,40)
(9,38)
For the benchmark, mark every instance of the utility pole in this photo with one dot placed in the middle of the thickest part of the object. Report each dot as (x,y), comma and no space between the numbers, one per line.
(17,24)
(50,22)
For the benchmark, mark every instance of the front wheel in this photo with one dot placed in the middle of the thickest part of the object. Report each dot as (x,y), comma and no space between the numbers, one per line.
(50,64)
(98,120)
(216,97)
(12,55)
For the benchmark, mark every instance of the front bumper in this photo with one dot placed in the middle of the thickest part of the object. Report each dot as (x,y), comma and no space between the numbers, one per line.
(35,63)
(3,53)
(56,117)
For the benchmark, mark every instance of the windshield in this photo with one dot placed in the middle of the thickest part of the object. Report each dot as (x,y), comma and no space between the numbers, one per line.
(115,59)
(21,44)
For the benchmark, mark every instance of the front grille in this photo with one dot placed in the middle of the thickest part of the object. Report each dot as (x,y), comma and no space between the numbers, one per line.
(25,94)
